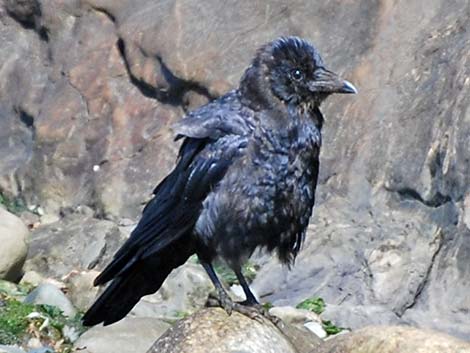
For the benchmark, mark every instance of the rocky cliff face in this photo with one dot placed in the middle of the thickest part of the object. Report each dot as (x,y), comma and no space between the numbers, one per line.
(89,88)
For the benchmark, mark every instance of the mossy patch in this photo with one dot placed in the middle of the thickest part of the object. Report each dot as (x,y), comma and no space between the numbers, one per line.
(318,305)
(17,205)
(13,320)
(330,328)
(315,304)
(12,205)
(21,321)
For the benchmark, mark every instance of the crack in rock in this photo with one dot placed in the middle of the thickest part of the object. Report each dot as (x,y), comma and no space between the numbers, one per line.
(82,97)
(407,193)
(419,290)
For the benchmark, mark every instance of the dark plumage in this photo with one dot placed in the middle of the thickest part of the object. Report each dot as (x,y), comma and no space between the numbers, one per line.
(245,178)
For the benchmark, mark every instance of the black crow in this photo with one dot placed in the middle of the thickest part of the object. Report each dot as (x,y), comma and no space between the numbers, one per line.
(245,178)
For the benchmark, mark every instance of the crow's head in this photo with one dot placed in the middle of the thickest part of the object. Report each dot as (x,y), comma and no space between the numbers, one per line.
(291,70)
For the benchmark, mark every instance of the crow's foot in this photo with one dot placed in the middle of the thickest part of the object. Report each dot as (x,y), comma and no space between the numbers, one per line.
(254,311)
(222,300)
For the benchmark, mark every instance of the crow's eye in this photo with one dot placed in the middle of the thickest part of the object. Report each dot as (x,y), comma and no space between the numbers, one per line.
(296,74)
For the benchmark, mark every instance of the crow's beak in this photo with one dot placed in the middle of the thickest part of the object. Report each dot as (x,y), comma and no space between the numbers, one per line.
(328,82)
(348,87)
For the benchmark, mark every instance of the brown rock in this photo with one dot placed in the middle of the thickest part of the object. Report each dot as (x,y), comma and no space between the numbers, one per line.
(213,331)
(394,339)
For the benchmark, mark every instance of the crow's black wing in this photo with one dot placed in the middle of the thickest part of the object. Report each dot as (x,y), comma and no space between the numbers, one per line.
(215,135)
(162,239)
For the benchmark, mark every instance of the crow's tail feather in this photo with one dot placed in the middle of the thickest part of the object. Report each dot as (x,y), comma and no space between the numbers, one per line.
(143,278)
(122,295)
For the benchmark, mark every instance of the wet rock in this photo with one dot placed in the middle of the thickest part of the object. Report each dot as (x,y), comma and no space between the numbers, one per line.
(129,335)
(13,249)
(51,295)
(394,339)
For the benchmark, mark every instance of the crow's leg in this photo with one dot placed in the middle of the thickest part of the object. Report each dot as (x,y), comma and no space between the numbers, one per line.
(250,298)
(224,299)
(251,307)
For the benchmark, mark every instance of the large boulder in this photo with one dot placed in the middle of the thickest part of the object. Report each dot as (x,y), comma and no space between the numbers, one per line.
(130,335)
(13,239)
(394,339)
(213,331)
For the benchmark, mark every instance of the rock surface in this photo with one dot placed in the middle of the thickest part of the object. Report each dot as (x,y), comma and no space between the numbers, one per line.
(13,239)
(130,335)
(184,292)
(49,294)
(89,88)
(77,241)
(80,288)
(394,339)
(10,349)
(294,316)
(213,331)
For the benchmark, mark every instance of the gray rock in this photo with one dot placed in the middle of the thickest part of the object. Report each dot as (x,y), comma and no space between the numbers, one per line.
(80,288)
(32,278)
(374,266)
(51,295)
(129,335)
(10,349)
(394,339)
(184,291)
(42,350)
(316,328)
(13,249)
(291,315)
(77,242)
(355,317)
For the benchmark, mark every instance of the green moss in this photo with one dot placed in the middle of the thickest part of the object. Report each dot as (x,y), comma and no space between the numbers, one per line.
(268,305)
(330,328)
(15,205)
(181,314)
(13,319)
(315,304)
(47,323)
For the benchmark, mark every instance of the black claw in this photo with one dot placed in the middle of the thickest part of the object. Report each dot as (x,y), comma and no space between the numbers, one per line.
(222,300)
